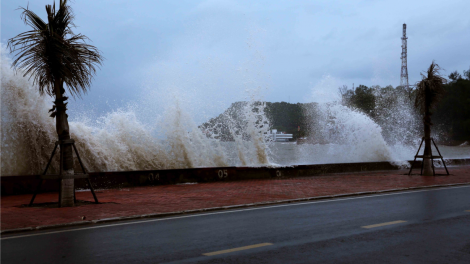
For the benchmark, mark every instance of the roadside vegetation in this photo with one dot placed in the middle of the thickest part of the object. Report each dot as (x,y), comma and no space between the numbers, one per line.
(429,92)
(58,61)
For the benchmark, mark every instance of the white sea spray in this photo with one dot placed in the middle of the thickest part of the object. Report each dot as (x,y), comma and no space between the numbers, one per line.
(118,140)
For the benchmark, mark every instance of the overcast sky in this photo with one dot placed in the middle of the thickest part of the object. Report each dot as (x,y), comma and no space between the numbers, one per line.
(218,52)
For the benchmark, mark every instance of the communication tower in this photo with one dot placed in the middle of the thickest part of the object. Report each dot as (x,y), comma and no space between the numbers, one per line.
(404,67)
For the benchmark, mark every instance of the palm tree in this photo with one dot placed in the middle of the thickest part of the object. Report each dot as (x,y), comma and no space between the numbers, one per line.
(52,55)
(429,92)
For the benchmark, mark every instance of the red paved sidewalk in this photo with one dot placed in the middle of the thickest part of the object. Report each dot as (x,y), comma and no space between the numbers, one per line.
(173,198)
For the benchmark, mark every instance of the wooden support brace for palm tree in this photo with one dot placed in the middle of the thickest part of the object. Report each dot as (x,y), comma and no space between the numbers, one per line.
(432,158)
(61,175)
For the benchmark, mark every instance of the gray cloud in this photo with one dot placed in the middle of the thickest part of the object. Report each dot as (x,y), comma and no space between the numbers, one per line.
(215,50)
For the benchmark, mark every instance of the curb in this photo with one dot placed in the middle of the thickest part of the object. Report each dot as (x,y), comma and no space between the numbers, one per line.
(160,215)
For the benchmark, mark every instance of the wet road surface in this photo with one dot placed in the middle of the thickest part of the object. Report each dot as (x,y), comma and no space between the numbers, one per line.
(425,226)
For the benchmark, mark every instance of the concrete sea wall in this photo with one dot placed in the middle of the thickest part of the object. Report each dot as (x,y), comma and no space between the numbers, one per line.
(12,185)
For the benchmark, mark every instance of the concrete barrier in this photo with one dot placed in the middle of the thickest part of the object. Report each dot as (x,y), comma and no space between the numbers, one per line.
(12,185)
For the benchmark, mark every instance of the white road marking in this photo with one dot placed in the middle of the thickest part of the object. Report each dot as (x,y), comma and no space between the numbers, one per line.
(384,224)
(236,249)
(235,211)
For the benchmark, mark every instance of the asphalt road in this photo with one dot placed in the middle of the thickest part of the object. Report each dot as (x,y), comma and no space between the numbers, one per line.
(425,226)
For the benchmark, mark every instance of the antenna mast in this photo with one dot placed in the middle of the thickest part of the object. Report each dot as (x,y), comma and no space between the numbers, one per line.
(404,67)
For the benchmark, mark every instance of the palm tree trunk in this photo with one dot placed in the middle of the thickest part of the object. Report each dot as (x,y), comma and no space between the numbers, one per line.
(62,127)
(427,166)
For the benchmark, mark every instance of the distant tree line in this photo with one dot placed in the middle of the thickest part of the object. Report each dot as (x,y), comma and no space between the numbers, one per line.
(451,117)
(287,118)
(452,114)
(284,117)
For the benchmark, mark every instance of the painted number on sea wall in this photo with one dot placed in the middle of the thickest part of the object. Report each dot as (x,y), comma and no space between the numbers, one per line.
(222,174)
(154,177)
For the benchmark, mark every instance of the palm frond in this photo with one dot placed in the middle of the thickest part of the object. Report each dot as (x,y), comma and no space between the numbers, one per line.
(52,52)
(33,20)
(430,89)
